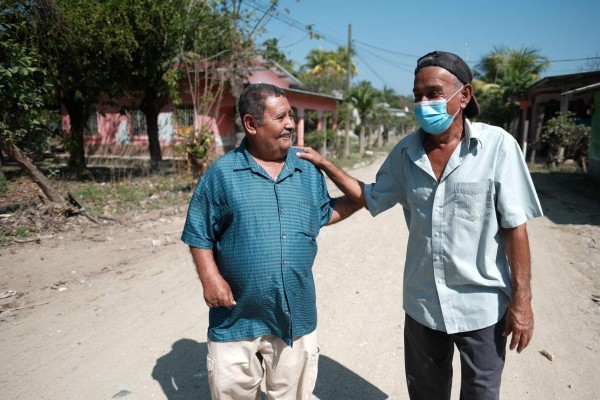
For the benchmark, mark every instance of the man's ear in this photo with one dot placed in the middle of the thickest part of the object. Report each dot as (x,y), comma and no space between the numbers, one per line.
(250,124)
(466,93)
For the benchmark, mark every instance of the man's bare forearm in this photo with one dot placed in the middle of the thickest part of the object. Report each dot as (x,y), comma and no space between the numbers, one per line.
(351,187)
(343,208)
(519,258)
(217,292)
(519,316)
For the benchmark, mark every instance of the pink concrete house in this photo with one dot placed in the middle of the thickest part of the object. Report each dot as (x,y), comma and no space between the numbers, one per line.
(121,128)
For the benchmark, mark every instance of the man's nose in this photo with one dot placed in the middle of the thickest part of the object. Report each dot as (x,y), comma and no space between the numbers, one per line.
(290,122)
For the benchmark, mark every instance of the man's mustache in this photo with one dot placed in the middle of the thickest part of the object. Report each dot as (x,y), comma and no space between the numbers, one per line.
(287,132)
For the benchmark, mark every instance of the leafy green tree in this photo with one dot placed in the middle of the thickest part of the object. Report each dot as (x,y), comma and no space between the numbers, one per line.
(243,25)
(23,88)
(326,71)
(156,28)
(505,73)
(81,43)
(202,53)
(271,52)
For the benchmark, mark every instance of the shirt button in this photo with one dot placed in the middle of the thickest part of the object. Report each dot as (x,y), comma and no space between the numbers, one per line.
(436,258)
(437,209)
(437,234)
(287,313)
(285,261)
(284,237)
(440,280)
(281,210)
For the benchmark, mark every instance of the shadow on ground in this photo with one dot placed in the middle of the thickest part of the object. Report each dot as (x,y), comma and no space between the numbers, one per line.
(182,375)
(568,198)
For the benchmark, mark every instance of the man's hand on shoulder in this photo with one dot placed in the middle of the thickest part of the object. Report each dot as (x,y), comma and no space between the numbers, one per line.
(313,156)
(351,187)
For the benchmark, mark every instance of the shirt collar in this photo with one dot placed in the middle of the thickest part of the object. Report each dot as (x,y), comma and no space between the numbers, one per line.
(413,145)
(244,160)
(472,134)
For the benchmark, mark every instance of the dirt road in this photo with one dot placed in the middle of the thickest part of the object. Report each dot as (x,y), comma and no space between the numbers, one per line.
(117,312)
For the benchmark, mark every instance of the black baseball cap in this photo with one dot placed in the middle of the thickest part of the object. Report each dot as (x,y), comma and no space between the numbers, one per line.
(457,67)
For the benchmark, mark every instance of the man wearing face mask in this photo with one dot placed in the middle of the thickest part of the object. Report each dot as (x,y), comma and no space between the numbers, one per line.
(466,194)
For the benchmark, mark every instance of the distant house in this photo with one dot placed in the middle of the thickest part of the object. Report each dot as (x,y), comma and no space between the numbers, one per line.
(120,128)
(578,93)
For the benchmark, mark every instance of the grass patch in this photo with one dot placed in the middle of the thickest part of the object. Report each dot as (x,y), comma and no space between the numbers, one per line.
(132,195)
(22,233)
(3,239)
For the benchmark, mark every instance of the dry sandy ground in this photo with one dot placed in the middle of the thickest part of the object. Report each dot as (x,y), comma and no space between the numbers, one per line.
(113,316)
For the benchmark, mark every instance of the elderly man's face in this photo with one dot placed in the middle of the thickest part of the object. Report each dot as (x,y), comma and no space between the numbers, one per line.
(274,137)
(435,83)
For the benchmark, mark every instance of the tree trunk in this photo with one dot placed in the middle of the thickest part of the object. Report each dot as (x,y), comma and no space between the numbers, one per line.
(391,136)
(77,117)
(361,140)
(346,152)
(151,106)
(380,130)
(535,140)
(35,174)
(237,79)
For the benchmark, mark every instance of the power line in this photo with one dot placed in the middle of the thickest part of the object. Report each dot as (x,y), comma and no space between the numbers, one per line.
(371,69)
(386,50)
(576,59)
(402,66)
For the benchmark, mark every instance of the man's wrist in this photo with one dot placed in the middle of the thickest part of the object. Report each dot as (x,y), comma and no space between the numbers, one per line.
(522,296)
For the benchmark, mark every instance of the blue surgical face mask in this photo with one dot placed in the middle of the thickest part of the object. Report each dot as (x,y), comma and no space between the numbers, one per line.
(433,115)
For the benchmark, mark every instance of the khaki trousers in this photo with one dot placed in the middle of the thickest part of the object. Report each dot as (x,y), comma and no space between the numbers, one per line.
(237,369)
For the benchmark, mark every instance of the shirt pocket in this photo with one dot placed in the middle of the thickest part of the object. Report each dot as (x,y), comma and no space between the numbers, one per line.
(473,200)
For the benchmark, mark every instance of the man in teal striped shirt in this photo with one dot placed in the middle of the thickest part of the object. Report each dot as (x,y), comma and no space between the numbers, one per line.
(252,226)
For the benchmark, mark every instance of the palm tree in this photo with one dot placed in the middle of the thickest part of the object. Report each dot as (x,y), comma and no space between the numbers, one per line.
(504,74)
(326,71)
(513,69)
(319,61)
(365,98)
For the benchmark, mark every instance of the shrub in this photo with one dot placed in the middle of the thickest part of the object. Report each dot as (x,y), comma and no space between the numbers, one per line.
(566,140)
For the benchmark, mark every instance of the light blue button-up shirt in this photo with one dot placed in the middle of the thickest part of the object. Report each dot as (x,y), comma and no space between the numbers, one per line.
(457,277)
(263,236)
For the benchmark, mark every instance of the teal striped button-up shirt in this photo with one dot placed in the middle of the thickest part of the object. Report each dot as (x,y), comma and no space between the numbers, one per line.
(456,275)
(263,235)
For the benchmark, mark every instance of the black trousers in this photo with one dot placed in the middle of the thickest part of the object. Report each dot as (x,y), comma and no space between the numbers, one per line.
(428,361)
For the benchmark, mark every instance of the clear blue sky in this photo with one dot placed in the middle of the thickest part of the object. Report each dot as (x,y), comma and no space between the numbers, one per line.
(389,35)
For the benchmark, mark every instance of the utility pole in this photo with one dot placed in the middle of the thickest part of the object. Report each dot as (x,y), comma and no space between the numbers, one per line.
(347,99)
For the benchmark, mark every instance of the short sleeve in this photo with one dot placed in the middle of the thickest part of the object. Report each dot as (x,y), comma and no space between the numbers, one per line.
(323,199)
(202,218)
(516,198)
(387,190)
